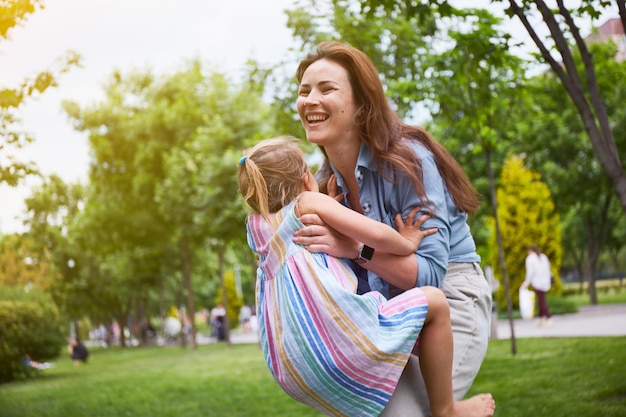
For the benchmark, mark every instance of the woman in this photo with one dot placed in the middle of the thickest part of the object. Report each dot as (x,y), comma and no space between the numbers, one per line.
(539,276)
(384,166)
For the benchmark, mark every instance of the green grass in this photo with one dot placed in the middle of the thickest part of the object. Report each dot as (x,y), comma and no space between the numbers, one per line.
(214,380)
(574,377)
(548,377)
(571,303)
(614,296)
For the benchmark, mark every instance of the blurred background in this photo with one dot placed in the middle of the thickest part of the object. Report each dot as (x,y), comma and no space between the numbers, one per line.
(122,124)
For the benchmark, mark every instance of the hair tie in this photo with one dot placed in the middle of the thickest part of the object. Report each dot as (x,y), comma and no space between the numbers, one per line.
(242,160)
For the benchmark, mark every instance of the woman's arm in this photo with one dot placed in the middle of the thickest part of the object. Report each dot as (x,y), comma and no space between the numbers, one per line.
(362,229)
(398,270)
(427,266)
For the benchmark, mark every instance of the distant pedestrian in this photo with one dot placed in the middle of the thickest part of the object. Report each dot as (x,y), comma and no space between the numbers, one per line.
(244,318)
(218,322)
(539,276)
(77,350)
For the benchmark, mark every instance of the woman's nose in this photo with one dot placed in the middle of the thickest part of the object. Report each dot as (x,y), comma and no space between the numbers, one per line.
(312,98)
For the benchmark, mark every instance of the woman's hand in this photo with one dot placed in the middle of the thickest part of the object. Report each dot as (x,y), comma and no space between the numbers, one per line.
(316,236)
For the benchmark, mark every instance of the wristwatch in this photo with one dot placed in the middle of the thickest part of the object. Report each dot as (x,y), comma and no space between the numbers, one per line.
(365,254)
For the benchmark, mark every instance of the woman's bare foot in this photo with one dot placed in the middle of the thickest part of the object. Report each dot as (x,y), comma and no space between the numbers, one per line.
(481,405)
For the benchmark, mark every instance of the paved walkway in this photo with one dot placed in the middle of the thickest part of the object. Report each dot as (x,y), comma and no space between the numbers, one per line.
(602,320)
(236,336)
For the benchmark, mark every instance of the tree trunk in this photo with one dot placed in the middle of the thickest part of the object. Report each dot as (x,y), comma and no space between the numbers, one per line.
(121,322)
(191,306)
(589,269)
(593,113)
(621,6)
(220,269)
(596,232)
(505,277)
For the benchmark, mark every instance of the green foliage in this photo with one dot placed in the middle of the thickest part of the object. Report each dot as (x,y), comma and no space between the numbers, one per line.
(21,264)
(14,13)
(233,298)
(557,146)
(558,304)
(29,325)
(162,190)
(526,216)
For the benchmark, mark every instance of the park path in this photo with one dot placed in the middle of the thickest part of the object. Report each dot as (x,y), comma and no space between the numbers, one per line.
(602,320)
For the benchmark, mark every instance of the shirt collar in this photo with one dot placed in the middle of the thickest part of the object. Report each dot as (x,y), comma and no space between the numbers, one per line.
(364,161)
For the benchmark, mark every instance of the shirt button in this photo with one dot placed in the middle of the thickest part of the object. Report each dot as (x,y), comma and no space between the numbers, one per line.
(367,207)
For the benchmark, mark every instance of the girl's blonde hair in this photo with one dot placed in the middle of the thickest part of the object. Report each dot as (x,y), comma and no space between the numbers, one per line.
(271,174)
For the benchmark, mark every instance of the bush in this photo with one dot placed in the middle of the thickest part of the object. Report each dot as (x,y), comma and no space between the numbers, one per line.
(560,305)
(29,325)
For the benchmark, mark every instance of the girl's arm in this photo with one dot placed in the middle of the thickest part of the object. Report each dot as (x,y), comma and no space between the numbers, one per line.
(363,229)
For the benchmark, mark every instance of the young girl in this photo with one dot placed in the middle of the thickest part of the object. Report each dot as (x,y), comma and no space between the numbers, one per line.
(326,346)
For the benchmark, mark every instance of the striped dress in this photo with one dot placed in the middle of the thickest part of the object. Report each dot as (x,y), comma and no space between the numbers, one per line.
(326,346)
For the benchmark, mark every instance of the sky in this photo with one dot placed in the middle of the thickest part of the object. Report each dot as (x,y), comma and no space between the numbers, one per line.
(121,34)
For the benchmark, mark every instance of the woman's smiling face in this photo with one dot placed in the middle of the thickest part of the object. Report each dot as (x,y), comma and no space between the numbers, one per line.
(326,105)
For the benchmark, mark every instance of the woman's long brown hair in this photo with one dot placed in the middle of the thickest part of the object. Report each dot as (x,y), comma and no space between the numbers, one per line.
(383,130)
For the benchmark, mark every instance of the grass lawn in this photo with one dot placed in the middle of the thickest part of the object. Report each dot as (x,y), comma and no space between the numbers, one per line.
(548,377)
(609,297)
(572,303)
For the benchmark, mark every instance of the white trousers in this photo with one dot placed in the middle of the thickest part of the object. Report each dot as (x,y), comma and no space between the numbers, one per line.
(469,297)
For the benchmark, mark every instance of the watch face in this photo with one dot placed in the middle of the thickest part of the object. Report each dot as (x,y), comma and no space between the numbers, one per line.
(366,253)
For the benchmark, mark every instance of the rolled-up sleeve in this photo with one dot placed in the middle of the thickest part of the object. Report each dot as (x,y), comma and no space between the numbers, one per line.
(433,252)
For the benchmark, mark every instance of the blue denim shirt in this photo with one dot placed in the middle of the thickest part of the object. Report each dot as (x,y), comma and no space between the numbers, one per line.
(382,200)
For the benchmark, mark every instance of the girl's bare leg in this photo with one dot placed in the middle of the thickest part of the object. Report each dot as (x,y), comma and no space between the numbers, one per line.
(435,353)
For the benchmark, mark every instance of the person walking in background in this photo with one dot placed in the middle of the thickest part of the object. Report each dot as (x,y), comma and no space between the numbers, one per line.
(539,276)
(328,347)
(218,322)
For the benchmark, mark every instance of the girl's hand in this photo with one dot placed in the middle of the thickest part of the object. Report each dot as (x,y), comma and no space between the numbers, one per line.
(411,230)
(333,189)
(316,236)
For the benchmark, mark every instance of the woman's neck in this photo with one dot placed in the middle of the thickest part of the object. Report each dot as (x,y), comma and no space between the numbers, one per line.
(344,159)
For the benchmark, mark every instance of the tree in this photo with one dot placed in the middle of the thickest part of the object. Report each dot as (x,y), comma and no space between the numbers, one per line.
(527,216)
(555,144)
(163,184)
(14,13)
(473,87)
(52,209)
(581,85)
(199,195)
(22,265)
